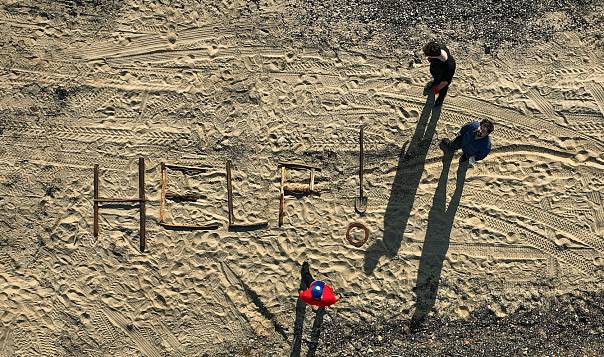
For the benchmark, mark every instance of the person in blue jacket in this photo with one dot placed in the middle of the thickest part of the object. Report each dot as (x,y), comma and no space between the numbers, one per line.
(473,139)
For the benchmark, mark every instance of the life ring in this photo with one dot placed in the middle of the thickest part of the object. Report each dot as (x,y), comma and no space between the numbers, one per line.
(355,242)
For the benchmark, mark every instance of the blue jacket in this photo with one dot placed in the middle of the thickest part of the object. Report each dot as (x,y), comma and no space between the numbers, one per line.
(479,148)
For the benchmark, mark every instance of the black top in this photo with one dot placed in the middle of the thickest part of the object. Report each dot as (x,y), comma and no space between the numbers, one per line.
(443,71)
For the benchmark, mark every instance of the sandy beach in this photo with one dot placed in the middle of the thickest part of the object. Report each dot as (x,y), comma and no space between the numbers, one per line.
(518,237)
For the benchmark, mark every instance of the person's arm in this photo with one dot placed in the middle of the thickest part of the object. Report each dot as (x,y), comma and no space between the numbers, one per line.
(437,87)
(483,153)
(442,85)
(335,298)
(437,77)
(448,77)
(450,69)
(464,129)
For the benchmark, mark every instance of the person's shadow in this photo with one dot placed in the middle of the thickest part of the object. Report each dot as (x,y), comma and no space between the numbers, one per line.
(406,180)
(436,243)
(316,332)
(299,327)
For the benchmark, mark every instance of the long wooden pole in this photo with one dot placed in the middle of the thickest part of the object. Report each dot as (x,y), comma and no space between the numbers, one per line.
(162,198)
(361,164)
(282,198)
(95,224)
(141,195)
(116,200)
(230,193)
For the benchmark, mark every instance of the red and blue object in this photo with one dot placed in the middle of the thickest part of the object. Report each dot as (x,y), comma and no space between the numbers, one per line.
(318,294)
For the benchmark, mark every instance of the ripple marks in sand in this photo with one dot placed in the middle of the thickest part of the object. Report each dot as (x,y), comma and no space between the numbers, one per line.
(536,240)
(598,94)
(146,347)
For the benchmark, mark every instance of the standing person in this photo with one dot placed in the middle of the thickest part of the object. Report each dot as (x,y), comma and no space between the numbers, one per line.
(442,68)
(473,139)
(315,292)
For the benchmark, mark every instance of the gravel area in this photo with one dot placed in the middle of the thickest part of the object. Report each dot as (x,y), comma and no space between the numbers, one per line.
(569,325)
(385,26)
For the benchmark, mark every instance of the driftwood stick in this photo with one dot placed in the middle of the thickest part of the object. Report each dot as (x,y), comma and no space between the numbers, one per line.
(95,224)
(162,198)
(210,226)
(191,197)
(297,188)
(230,193)
(118,200)
(141,196)
(297,165)
(282,198)
(361,155)
(187,168)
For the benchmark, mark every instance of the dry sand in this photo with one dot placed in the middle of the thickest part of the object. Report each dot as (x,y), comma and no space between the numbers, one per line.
(258,83)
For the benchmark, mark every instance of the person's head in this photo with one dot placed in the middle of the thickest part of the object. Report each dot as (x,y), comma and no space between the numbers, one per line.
(486,127)
(317,290)
(432,49)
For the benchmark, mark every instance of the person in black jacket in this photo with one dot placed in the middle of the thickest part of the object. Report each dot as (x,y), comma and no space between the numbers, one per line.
(442,68)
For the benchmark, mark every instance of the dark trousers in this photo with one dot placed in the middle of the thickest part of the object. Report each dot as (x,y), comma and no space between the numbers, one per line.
(456,143)
(305,277)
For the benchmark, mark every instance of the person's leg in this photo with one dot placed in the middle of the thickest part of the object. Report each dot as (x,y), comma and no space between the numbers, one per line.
(305,277)
(428,87)
(456,143)
(441,96)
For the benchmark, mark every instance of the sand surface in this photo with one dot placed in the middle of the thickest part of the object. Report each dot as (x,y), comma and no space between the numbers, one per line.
(257,83)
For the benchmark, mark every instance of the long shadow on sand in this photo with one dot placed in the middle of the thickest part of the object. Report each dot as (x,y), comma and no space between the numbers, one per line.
(315,333)
(299,327)
(408,174)
(436,243)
